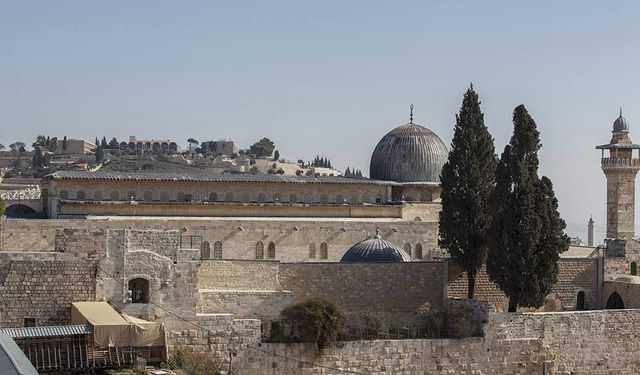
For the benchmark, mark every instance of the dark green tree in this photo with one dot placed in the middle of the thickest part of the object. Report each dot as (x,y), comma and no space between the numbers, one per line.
(37,160)
(468,178)
(64,143)
(99,154)
(262,148)
(113,144)
(104,143)
(526,235)
(276,155)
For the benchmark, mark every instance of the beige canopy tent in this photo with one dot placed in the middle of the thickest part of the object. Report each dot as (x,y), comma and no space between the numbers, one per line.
(113,329)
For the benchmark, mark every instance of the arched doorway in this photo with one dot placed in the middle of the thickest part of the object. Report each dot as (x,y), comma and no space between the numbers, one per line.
(19,210)
(580,301)
(615,301)
(139,290)
(634,269)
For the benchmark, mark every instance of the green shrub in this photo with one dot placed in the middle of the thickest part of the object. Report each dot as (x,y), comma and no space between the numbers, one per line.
(315,320)
(363,325)
(430,322)
(195,363)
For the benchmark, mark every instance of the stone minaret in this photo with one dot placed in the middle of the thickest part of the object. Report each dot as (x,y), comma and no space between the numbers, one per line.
(590,232)
(620,167)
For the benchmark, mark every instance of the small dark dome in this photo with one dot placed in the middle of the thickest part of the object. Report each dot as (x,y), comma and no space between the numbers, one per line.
(375,249)
(620,125)
(408,153)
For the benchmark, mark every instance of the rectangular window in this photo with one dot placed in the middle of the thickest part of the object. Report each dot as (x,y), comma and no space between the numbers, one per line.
(29,322)
(190,242)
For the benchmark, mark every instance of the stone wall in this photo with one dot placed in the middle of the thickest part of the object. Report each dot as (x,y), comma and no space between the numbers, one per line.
(239,237)
(514,344)
(395,290)
(575,275)
(43,286)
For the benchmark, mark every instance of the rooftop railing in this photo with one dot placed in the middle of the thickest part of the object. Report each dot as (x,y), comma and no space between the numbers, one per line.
(620,162)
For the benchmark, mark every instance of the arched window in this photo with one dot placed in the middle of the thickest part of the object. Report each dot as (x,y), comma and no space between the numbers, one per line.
(339,199)
(634,268)
(580,301)
(97,196)
(139,290)
(418,250)
(271,251)
(217,250)
(164,196)
(277,197)
(205,250)
(213,197)
(324,198)
(64,194)
(324,251)
(259,250)
(245,197)
(228,197)
(615,301)
(365,198)
(81,195)
(148,196)
(115,195)
(293,198)
(407,248)
(131,195)
(312,251)
(261,197)
(180,197)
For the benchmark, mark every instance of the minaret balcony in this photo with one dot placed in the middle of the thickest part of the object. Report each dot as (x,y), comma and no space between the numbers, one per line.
(620,162)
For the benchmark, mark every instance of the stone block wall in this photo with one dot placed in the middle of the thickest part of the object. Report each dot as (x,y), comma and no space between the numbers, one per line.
(514,344)
(254,304)
(397,289)
(292,237)
(575,275)
(239,275)
(43,286)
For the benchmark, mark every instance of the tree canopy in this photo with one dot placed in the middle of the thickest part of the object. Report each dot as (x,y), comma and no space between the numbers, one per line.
(262,148)
(467,179)
(527,232)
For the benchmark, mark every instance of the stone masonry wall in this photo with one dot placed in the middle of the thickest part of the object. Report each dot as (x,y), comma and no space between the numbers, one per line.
(514,344)
(396,289)
(575,274)
(43,286)
(292,237)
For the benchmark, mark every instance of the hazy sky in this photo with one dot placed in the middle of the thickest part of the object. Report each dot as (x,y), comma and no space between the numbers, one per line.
(326,77)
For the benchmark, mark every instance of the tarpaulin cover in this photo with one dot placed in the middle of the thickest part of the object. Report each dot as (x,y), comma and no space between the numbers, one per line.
(112,329)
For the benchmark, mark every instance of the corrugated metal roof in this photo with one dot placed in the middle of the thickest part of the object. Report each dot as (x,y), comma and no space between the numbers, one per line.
(12,359)
(47,331)
(203,177)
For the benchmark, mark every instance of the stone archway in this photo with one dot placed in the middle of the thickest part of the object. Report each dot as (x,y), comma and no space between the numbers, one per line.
(615,301)
(19,210)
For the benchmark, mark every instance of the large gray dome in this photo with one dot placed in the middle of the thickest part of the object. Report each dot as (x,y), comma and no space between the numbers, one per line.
(375,249)
(408,153)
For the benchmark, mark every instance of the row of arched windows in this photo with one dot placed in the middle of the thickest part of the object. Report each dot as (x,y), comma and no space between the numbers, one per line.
(324,251)
(205,250)
(271,250)
(245,197)
(417,250)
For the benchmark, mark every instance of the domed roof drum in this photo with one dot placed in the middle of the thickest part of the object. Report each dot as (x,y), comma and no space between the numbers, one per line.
(408,153)
(375,249)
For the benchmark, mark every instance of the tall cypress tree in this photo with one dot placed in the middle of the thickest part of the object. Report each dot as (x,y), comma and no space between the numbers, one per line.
(527,231)
(468,179)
